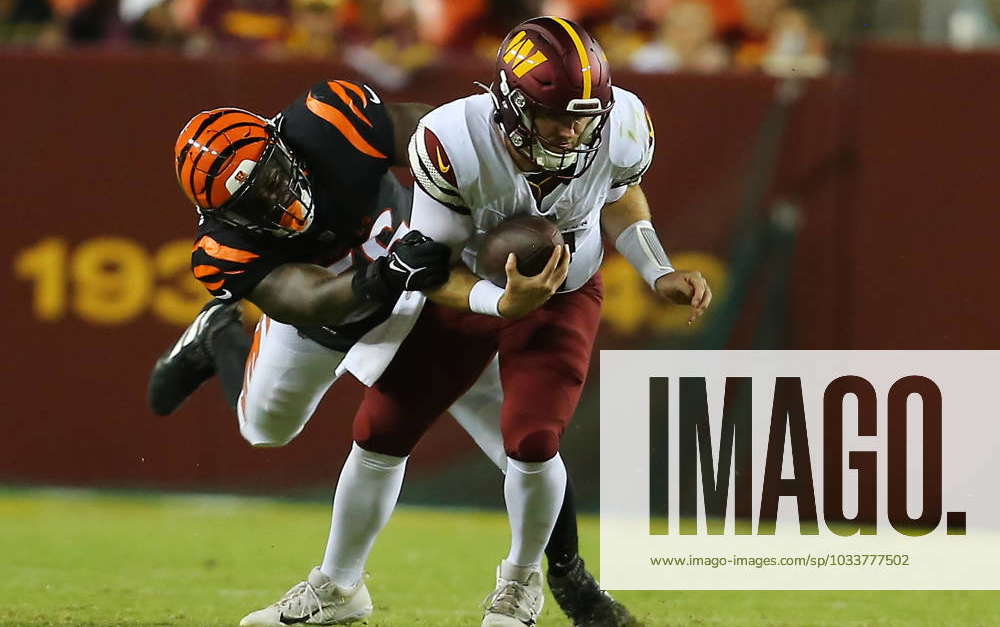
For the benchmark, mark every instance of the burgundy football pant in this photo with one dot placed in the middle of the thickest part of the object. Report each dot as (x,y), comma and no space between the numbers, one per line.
(544,358)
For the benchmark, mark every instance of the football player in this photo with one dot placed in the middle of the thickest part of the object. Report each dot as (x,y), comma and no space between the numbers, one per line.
(551,137)
(299,215)
(287,208)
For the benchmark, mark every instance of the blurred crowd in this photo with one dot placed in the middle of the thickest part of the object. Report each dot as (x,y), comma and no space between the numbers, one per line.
(390,39)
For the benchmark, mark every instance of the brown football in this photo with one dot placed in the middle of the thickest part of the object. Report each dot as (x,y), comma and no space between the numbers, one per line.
(531,238)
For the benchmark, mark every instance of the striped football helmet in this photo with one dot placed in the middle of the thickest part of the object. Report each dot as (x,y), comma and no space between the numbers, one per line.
(234,166)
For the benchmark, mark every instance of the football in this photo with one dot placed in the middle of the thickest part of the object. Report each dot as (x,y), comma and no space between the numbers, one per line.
(531,238)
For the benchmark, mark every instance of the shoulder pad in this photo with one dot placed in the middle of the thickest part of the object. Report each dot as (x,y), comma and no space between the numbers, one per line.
(339,115)
(631,138)
(440,143)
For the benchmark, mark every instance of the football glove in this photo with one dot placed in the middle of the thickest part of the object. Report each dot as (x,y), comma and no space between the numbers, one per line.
(416,262)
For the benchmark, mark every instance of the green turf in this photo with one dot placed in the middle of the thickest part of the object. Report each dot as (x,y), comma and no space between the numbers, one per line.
(80,558)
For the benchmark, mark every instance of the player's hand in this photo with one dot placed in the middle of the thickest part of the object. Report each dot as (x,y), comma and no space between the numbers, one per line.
(524,294)
(416,263)
(685,287)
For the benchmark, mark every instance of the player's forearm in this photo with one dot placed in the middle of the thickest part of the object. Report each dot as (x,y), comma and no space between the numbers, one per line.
(627,223)
(455,292)
(305,294)
(468,292)
(624,212)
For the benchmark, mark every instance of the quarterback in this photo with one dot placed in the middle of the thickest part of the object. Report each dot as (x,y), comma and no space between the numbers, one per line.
(299,214)
(553,138)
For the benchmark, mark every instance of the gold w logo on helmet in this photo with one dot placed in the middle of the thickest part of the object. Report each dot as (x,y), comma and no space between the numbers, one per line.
(517,55)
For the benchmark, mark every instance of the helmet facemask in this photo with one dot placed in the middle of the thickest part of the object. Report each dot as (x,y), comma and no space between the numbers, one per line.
(270,196)
(516,117)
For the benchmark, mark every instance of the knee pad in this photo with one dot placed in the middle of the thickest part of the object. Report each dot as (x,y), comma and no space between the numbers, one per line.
(535,446)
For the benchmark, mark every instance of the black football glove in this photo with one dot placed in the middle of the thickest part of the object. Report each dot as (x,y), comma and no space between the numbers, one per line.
(416,262)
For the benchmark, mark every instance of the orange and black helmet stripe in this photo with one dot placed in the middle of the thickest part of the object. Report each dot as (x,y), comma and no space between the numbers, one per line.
(210,146)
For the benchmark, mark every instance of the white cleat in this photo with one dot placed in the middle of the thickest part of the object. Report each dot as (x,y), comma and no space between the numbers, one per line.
(517,600)
(316,601)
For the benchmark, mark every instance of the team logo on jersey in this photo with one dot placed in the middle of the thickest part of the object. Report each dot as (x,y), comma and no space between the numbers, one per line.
(441,164)
(517,53)
(374,97)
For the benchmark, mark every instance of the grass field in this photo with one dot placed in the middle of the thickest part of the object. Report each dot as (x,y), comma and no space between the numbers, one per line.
(84,558)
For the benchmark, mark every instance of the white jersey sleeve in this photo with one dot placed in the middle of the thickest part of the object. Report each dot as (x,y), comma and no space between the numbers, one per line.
(440,222)
(633,142)
(434,170)
(440,210)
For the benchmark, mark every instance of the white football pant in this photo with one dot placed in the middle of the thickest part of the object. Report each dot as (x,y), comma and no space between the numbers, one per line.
(287,375)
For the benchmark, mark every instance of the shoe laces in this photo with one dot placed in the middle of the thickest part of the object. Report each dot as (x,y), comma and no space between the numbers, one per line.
(301,600)
(508,598)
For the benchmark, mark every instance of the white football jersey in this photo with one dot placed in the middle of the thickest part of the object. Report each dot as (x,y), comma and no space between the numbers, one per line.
(459,158)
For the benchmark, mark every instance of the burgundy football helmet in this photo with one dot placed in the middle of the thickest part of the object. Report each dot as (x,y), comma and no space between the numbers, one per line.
(551,65)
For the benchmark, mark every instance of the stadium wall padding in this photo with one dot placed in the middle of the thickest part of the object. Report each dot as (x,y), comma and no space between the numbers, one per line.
(892,171)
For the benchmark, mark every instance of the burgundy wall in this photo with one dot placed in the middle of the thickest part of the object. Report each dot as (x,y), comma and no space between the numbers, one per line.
(894,169)
(925,219)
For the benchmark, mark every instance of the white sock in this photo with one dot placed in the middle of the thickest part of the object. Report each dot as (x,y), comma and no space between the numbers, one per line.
(366,495)
(534,493)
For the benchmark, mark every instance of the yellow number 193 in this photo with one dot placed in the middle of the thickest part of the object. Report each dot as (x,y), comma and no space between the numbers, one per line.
(110,280)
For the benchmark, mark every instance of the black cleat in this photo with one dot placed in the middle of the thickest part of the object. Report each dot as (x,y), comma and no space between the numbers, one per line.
(189,362)
(583,601)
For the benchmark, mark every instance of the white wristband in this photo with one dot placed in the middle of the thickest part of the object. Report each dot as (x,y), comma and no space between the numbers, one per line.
(639,244)
(485,298)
